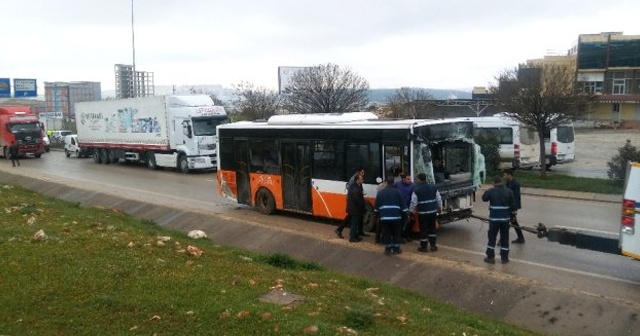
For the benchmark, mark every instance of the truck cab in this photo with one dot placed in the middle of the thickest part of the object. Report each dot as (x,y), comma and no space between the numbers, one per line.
(629,238)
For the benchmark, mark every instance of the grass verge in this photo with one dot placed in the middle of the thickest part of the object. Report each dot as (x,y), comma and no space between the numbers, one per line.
(93,271)
(553,180)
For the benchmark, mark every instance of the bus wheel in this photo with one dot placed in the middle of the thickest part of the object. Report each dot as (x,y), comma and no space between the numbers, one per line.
(96,156)
(265,202)
(369,218)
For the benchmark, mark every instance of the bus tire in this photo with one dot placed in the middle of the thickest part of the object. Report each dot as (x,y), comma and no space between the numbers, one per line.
(265,202)
(96,156)
(369,218)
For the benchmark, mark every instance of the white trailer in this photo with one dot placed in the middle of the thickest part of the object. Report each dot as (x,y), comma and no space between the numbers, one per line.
(160,131)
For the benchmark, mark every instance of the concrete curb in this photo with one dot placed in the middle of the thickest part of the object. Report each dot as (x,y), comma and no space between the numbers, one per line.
(577,195)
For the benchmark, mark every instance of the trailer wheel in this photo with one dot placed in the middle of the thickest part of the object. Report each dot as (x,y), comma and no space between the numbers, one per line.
(96,156)
(113,156)
(265,202)
(369,218)
(183,164)
(151,161)
(104,156)
(67,153)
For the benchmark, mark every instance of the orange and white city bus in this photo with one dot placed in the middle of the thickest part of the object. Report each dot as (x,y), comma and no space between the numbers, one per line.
(301,163)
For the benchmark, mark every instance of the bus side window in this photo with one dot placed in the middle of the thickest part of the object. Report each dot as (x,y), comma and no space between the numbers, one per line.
(327,160)
(366,155)
(264,157)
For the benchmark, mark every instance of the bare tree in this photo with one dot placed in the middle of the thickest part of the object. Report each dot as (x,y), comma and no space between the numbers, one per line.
(256,102)
(409,103)
(326,89)
(540,96)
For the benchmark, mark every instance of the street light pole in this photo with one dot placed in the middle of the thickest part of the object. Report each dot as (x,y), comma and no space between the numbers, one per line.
(134,76)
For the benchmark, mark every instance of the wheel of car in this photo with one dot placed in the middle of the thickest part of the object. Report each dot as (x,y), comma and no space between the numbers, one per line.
(369,218)
(37,155)
(5,153)
(265,202)
(151,161)
(183,164)
(96,156)
(67,153)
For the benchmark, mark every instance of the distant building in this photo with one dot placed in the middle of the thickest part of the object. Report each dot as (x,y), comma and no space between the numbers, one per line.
(131,84)
(608,65)
(61,96)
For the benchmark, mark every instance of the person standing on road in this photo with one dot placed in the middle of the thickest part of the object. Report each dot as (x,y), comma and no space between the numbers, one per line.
(391,211)
(512,184)
(14,153)
(501,204)
(426,201)
(355,209)
(405,186)
(347,220)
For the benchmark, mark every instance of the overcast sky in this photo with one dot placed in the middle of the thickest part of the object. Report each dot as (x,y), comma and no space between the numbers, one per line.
(419,43)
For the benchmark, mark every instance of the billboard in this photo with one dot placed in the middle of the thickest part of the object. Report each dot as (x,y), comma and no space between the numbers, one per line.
(24,88)
(285,74)
(5,88)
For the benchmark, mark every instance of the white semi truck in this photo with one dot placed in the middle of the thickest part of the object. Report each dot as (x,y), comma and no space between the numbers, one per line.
(160,131)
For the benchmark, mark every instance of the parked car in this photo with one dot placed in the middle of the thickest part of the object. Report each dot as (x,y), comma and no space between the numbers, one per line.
(58,136)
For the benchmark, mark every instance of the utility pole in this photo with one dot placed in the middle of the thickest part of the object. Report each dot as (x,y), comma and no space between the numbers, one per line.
(134,76)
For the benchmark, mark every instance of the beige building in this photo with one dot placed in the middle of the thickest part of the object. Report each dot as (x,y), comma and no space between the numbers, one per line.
(608,66)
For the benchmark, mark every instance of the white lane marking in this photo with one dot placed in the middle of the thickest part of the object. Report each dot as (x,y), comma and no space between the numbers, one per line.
(557,268)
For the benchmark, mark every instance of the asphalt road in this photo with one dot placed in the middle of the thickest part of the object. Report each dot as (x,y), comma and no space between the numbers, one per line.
(613,277)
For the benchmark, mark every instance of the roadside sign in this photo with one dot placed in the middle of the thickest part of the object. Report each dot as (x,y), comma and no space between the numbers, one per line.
(5,88)
(23,87)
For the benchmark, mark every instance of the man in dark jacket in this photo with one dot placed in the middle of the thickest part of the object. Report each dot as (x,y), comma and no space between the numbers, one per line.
(14,153)
(405,186)
(427,203)
(347,220)
(512,184)
(391,212)
(501,204)
(355,208)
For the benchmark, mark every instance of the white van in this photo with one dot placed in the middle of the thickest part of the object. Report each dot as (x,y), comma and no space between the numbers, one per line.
(71,147)
(629,238)
(559,145)
(519,146)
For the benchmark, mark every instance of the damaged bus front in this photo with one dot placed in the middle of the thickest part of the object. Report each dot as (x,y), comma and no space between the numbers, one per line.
(446,153)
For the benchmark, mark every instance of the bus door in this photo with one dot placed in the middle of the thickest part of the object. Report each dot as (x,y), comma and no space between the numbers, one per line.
(296,176)
(241,152)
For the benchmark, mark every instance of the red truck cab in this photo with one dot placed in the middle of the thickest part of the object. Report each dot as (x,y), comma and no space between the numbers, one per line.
(18,123)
